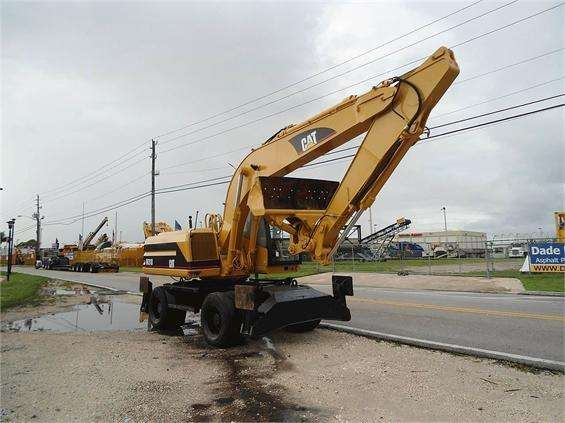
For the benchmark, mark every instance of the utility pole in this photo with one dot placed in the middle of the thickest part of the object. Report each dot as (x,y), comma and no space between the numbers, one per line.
(82,227)
(153,157)
(37,217)
(115,229)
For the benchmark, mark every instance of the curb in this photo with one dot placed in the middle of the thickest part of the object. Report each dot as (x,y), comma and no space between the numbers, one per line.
(426,289)
(543,293)
(539,363)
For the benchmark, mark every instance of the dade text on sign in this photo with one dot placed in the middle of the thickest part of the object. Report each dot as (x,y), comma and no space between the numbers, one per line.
(547,257)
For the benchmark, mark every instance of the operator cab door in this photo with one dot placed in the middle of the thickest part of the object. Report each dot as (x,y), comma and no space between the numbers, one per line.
(272,245)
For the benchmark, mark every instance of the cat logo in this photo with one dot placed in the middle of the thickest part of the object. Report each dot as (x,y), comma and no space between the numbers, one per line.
(308,139)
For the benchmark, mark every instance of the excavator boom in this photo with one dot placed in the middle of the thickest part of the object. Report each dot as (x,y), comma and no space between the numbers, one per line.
(393,116)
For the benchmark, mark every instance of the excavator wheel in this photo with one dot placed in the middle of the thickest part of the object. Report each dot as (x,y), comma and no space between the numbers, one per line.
(303,327)
(160,315)
(220,320)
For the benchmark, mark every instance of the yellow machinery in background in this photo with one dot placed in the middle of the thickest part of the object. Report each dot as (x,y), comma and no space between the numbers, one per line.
(159,227)
(560,226)
(270,219)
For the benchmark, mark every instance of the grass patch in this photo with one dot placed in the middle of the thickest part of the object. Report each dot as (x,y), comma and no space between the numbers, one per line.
(131,269)
(389,266)
(554,282)
(20,290)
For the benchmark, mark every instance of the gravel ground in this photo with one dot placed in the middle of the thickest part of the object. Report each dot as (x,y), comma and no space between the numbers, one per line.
(321,376)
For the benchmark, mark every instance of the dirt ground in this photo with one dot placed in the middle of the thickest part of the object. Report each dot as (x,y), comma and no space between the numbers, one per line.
(321,376)
(444,283)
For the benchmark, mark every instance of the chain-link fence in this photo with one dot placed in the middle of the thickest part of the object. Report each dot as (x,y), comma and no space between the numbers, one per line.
(450,254)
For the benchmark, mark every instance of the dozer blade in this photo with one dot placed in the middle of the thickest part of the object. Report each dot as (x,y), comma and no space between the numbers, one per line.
(287,305)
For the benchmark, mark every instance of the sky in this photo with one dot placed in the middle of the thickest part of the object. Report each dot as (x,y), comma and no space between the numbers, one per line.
(86,85)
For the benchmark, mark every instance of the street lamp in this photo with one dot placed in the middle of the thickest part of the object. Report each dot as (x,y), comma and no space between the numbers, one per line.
(444,218)
(11,224)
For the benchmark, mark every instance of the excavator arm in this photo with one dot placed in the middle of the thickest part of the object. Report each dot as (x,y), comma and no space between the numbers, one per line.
(392,115)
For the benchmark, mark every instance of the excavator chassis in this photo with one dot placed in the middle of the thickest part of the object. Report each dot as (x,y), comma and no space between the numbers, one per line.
(260,306)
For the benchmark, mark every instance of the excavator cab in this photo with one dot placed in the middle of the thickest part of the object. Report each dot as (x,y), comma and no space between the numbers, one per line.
(277,243)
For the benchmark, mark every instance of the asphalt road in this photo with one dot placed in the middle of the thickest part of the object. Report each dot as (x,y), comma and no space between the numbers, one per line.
(515,324)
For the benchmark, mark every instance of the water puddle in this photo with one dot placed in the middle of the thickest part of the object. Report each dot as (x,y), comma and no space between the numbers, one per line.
(76,291)
(101,313)
(192,325)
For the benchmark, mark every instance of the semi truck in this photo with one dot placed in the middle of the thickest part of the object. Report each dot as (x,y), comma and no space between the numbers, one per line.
(218,266)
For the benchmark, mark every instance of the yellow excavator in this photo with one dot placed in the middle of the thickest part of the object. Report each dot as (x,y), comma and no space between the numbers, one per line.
(270,220)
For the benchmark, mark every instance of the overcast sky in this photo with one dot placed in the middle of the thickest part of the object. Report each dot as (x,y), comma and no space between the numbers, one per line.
(84,83)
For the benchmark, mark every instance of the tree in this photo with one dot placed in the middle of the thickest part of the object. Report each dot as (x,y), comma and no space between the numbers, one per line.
(31,243)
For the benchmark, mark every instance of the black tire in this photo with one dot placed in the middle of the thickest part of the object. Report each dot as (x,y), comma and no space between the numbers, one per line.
(93,269)
(86,267)
(160,315)
(303,327)
(220,321)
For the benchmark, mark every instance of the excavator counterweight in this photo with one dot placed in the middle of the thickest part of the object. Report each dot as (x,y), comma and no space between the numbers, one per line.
(270,220)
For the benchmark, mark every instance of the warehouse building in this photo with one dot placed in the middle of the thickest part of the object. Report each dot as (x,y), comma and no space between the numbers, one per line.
(447,243)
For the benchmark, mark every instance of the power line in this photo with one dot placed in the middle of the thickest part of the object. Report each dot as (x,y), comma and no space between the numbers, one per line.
(492,122)
(120,187)
(192,186)
(354,147)
(193,171)
(333,152)
(450,123)
(207,157)
(498,111)
(464,42)
(198,140)
(264,117)
(318,73)
(456,45)
(432,118)
(97,171)
(105,178)
(509,66)
(497,98)
(101,210)
(339,75)
(27,228)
